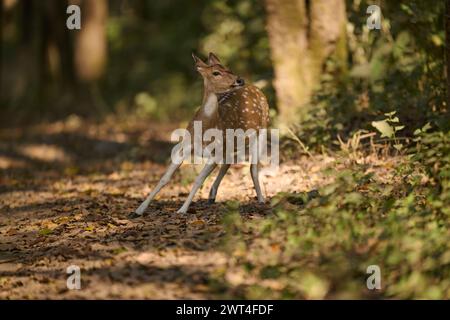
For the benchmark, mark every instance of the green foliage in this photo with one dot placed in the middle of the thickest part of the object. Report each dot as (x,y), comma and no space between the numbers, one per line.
(321,246)
(389,127)
(160,81)
(399,67)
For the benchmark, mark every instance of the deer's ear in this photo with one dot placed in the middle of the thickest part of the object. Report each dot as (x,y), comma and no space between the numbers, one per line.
(213,59)
(198,62)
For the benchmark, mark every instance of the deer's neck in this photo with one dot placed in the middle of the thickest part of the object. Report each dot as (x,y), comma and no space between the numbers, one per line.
(210,102)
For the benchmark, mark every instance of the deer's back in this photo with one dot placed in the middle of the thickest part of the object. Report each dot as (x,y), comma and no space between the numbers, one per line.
(245,108)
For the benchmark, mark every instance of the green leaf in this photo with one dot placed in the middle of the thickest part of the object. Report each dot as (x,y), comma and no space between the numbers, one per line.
(384,128)
(398,146)
(395,119)
(270,272)
(398,128)
(390,114)
(45,231)
(353,197)
(426,127)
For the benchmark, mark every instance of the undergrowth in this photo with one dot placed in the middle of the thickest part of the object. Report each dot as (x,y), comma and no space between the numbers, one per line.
(319,245)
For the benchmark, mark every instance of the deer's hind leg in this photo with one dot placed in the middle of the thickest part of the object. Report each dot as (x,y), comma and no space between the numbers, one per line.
(254,171)
(206,171)
(213,192)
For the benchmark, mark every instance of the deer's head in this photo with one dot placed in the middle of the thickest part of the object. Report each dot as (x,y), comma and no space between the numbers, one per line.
(217,78)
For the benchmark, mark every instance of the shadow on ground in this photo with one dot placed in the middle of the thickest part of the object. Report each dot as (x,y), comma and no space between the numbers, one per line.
(65,197)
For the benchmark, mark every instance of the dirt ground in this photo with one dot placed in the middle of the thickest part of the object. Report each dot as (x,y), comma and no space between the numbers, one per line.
(66,192)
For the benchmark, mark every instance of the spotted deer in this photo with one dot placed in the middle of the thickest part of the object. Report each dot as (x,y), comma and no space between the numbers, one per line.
(228,103)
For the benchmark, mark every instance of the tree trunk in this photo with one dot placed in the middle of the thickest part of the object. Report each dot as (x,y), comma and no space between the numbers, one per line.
(91,54)
(90,43)
(302,35)
(31,53)
(1,51)
(59,45)
(447,50)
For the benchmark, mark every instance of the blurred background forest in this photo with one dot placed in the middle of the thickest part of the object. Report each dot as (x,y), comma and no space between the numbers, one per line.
(315,59)
(364,178)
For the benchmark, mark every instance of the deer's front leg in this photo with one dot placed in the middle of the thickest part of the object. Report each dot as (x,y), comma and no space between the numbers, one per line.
(177,159)
(206,171)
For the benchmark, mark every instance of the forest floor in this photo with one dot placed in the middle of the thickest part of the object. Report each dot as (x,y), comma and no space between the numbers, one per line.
(66,192)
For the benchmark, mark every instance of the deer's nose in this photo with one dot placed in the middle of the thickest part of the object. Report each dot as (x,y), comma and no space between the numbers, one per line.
(240,82)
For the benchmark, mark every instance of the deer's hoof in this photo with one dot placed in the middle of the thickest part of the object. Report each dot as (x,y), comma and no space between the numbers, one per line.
(211,201)
(140,211)
(134,215)
(182,211)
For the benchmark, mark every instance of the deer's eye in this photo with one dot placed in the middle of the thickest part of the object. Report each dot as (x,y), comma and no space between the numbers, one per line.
(216,73)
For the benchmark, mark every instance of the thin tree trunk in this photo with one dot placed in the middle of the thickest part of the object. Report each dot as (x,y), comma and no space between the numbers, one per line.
(327,35)
(1,50)
(90,43)
(287,22)
(91,52)
(31,53)
(302,35)
(447,50)
(60,42)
